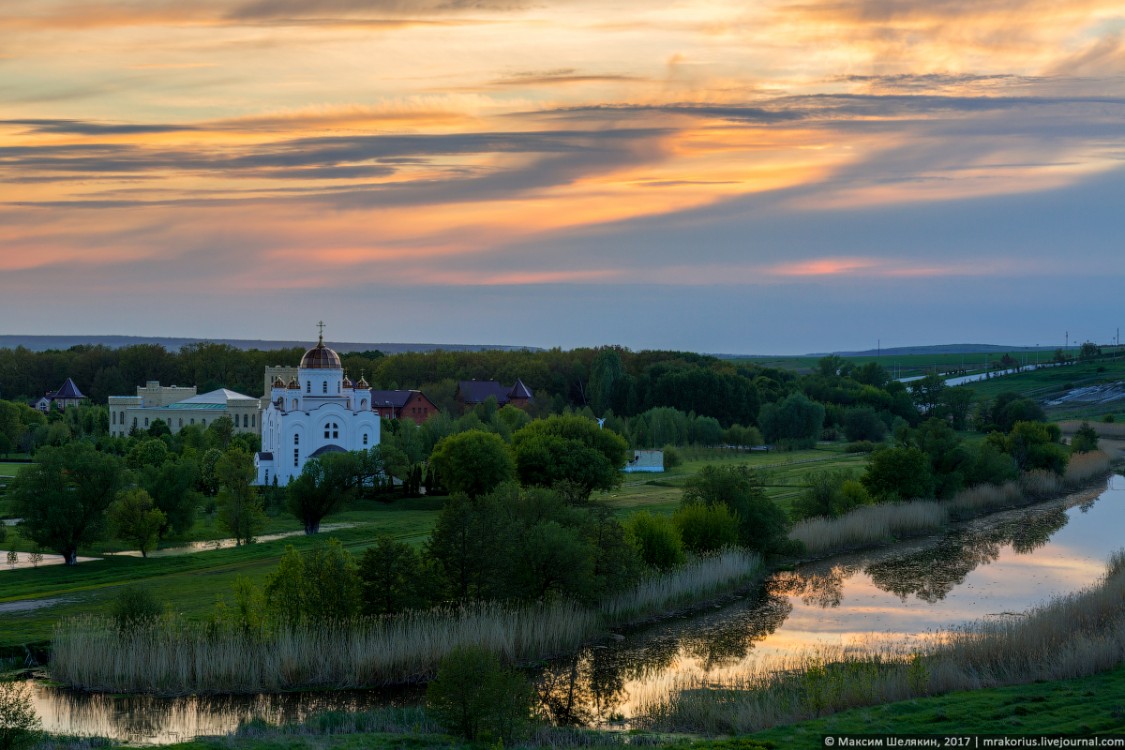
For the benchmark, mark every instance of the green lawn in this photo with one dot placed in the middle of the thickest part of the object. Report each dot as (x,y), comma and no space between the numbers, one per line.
(784,474)
(904,365)
(1052,382)
(1080,706)
(189,583)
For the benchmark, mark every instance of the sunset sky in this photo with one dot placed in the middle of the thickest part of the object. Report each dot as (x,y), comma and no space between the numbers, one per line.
(772,176)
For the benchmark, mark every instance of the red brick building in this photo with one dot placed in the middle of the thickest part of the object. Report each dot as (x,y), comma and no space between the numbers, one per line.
(413,405)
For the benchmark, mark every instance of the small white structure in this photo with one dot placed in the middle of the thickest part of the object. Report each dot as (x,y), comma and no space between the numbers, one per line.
(180,407)
(318,411)
(645,461)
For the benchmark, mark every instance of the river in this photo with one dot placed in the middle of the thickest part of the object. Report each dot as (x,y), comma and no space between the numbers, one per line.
(997,566)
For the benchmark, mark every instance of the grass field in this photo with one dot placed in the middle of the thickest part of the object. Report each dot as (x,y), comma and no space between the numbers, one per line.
(1050,383)
(1080,706)
(189,583)
(784,474)
(906,365)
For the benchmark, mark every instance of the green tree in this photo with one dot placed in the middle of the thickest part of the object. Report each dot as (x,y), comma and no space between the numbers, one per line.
(899,473)
(63,498)
(706,528)
(657,539)
(1085,439)
(136,519)
(1035,445)
(762,524)
(323,584)
(325,485)
(240,506)
(475,697)
(19,726)
(823,496)
(569,448)
(149,452)
(796,421)
(172,488)
(472,462)
(464,545)
(220,432)
(333,588)
(927,391)
(863,423)
(393,577)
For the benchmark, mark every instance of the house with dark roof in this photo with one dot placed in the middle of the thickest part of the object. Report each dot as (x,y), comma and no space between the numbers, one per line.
(67,395)
(413,405)
(473,392)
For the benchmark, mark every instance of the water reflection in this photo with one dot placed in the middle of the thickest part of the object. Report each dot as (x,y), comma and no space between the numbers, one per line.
(150,719)
(597,685)
(932,573)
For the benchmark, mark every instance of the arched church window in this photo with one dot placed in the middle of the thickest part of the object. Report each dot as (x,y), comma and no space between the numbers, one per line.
(296,456)
(308,386)
(296,440)
(365,438)
(324,387)
(363,404)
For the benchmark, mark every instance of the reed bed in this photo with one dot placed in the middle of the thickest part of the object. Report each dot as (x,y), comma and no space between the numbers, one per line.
(868,525)
(698,580)
(1071,636)
(1086,466)
(874,524)
(171,656)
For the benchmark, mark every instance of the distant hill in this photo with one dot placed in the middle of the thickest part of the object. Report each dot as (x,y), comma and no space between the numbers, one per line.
(900,351)
(43,343)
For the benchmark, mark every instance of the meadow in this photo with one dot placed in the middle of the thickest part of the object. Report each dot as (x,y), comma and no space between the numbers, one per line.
(1052,382)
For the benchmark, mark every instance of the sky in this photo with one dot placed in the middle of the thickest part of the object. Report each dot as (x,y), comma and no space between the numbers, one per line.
(743,176)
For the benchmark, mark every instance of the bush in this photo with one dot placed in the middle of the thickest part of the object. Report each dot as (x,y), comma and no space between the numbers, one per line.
(860,446)
(134,605)
(672,458)
(657,539)
(1108,419)
(1085,439)
(706,528)
(19,726)
(474,696)
(864,423)
(762,524)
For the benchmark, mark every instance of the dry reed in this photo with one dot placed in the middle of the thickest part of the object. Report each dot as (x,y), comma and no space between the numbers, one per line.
(1071,636)
(1086,466)
(171,656)
(875,524)
(696,581)
(868,525)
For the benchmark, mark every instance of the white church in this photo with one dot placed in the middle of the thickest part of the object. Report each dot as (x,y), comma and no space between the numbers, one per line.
(319,411)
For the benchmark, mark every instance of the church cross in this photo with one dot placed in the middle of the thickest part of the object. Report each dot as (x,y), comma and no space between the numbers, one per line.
(320,325)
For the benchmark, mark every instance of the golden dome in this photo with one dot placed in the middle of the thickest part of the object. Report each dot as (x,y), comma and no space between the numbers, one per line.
(320,357)
(278,383)
(294,385)
(363,385)
(347,383)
